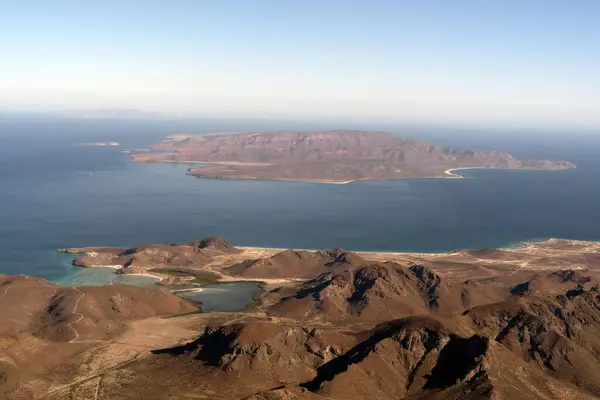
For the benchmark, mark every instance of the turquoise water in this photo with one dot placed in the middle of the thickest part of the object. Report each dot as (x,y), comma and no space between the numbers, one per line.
(54,194)
(103,276)
(232,296)
(69,275)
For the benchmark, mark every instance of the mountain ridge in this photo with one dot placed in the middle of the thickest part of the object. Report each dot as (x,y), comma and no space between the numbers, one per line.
(336,156)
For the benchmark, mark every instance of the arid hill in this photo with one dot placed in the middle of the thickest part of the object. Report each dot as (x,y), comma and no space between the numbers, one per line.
(46,329)
(293,264)
(65,314)
(140,258)
(377,292)
(330,156)
(268,354)
(218,257)
(523,348)
(380,330)
(472,324)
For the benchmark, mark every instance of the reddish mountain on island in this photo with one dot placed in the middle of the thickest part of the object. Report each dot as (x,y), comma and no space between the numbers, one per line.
(332,156)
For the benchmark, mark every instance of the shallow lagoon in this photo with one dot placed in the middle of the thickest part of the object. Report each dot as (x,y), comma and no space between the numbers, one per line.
(230,296)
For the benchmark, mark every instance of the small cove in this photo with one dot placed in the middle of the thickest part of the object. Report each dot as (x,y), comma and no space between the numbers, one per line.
(227,296)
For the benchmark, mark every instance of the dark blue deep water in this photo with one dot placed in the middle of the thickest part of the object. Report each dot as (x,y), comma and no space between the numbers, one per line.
(54,194)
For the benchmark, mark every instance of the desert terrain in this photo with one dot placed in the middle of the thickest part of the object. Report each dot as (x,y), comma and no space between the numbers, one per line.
(519,323)
(338,156)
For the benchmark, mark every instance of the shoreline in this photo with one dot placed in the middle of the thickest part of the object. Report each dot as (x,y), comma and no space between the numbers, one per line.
(255,252)
(115,267)
(524,244)
(521,245)
(198,162)
(256,179)
(450,173)
(447,174)
(159,279)
(311,181)
(378,252)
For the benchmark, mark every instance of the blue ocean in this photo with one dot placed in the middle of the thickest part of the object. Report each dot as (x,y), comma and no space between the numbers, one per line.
(56,194)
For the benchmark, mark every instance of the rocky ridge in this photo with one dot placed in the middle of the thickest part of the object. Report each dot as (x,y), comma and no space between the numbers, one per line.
(331,324)
(331,156)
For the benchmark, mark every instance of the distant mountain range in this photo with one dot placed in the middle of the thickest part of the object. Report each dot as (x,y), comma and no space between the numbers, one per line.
(110,113)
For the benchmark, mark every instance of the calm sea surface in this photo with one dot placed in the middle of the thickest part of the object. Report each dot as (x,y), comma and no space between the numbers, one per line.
(54,194)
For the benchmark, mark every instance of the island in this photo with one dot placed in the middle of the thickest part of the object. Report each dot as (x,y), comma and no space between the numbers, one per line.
(99,144)
(337,156)
(331,324)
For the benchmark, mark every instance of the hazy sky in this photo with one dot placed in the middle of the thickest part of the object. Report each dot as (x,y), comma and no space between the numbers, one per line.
(534,61)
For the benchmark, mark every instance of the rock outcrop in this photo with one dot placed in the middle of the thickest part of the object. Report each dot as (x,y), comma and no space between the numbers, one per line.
(523,348)
(139,258)
(294,264)
(363,291)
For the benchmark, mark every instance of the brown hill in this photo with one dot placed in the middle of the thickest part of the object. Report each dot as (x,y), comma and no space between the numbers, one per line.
(524,348)
(420,358)
(378,292)
(355,328)
(560,335)
(140,258)
(218,244)
(294,264)
(242,356)
(45,329)
(338,155)
(554,283)
(361,290)
(66,314)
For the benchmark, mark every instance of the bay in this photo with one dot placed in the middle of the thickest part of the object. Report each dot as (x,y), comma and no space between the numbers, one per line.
(55,194)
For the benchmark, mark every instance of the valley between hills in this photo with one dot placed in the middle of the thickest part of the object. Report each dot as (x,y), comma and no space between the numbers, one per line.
(330,324)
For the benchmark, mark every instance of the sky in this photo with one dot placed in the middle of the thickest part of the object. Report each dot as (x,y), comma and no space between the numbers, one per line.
(496,61)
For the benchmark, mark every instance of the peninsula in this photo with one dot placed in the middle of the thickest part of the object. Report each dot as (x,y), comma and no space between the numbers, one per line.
(337,156)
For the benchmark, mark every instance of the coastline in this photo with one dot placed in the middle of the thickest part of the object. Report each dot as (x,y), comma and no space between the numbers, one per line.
(198,162)
(264,249)
(115,267)
(275,250)
(311,181)
(450,173)
(159,279)
(318,181)
(525,247)
(447,174)
(524,244)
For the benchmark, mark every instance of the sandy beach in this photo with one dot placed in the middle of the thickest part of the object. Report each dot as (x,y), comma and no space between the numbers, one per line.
(312,181)
(268,251)
(451,174)
(105,266)
(145,274)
